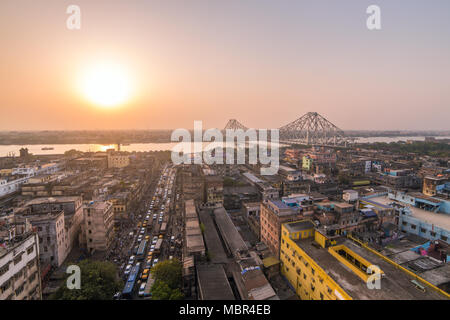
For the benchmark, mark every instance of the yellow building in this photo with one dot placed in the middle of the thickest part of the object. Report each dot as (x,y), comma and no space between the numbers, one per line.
(307,163)
(324,267)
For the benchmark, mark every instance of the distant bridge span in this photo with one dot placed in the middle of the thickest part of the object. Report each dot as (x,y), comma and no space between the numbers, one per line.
(310,129)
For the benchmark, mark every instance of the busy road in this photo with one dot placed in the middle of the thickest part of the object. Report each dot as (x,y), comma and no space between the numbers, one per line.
(155,237)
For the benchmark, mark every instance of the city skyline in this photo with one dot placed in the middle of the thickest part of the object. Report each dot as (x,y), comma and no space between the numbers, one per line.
(264,64)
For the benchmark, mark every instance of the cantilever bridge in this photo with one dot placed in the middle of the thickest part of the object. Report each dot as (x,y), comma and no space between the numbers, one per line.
(310,129)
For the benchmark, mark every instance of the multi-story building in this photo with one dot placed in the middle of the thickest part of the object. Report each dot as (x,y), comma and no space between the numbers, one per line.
(98,227)
(20,277)
(118,160)
(435,185)
(72,207)
(324,267)
(50,226)
(213,190)
(251,212)
(273,214)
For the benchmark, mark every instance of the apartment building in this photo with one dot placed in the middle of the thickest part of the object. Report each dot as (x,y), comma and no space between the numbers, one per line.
(274,213)
(50,226)
(19,266)
(320,266)
(98,227)
(117,159)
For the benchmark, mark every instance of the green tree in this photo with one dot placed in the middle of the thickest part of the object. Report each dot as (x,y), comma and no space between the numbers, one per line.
(168,280)
(98,282)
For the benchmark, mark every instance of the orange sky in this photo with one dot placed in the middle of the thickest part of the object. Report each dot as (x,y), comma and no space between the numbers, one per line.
(265,63)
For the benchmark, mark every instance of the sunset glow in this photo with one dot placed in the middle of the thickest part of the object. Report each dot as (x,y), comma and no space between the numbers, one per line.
(106,85)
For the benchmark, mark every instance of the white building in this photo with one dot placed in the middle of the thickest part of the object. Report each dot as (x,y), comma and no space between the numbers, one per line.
(19,268)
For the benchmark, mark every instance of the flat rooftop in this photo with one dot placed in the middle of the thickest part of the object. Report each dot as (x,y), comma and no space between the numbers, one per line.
(299,225)
(228,231)
(213,283)
(53,199)
(396,285)
(441,220)
(212,239)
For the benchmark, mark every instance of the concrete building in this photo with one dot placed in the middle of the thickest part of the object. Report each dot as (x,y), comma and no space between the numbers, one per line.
(212,283)
(350,195)
(321,267)
(273,214)
(98,227)
(213,190)
(410,216)
(432,186)
(20,277)
(194,245)
(50,226)
(251,212)
(117,159)
(71,206)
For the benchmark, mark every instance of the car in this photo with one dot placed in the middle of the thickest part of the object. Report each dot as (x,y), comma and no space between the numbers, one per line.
(117,296)
(160,219)
(155,262)
(172,238)
(131,260)
(144,275)
(154,216)
(146,217)
(154,240)
(161,236)
(148,264)
(171,257)
(147,237)
(127,269)
(152,248)
(142,289)
(142,231)
(139,239)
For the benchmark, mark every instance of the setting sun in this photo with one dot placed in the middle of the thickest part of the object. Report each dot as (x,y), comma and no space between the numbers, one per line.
(106,85)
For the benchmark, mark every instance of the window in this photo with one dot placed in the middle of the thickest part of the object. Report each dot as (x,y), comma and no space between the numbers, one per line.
(4,269)
(321,296)
(433,234)
(404,223)
(17,259)
(444,238)
(413,226)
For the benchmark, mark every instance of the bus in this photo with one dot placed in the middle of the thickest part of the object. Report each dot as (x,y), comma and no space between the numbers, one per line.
(163,228)
(158,246)
(128,289)
(141,250)
(148,286)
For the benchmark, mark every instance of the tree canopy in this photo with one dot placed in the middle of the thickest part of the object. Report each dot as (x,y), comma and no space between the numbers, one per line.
(168,280)
(99,281)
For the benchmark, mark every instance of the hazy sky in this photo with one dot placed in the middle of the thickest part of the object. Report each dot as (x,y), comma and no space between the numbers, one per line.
(265,63)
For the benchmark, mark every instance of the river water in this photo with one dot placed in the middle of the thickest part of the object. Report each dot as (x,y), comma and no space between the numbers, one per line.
(61,148)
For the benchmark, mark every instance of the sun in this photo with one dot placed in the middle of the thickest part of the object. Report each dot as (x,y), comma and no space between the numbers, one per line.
(106,85)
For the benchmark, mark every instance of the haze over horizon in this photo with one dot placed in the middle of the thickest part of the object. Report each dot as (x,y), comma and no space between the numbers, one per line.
(264,63)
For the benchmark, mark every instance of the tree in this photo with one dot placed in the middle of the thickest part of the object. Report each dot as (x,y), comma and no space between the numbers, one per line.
(168,271)
(98,282)
(168,280)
